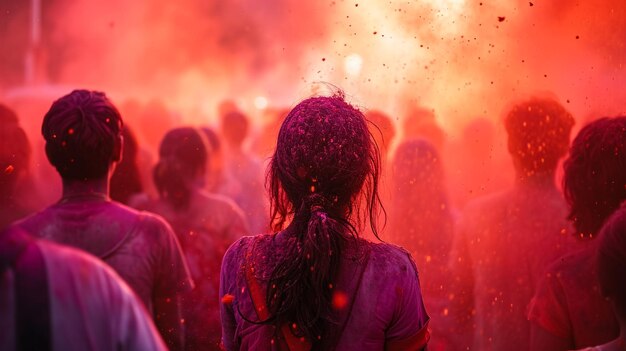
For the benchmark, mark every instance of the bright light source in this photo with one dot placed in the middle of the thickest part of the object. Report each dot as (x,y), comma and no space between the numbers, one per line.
(353,64)
(260,102)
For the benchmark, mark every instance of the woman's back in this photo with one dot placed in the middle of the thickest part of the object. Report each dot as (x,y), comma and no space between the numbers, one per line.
(376,296)
(316,285)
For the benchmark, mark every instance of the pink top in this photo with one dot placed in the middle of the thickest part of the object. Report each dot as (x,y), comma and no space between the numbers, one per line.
(569,305)
(140,247)
(382,301)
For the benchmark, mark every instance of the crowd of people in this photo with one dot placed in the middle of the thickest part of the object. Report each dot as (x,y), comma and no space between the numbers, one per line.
(209,247)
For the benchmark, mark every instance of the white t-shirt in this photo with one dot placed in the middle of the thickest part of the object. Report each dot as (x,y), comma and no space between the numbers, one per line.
(91,307)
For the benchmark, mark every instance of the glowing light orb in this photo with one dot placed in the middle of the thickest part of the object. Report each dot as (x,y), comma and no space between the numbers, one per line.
(260,102)
(353,64)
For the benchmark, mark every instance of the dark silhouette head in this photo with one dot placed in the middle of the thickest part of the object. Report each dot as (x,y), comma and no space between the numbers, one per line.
(7,115)
(183,157)
(538,132)
(126,179)
(595,174)
(420,122)
(15,152)
(612,261)
(324,164)
(83,133)
(421,218)
(234,128)
(419,194)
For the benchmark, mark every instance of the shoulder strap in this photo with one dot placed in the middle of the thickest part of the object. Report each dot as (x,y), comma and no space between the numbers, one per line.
(33,322)
(293,343)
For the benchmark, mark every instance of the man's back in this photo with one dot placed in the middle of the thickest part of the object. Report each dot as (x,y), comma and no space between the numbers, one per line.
(91,308)
(504,244)
(139,246)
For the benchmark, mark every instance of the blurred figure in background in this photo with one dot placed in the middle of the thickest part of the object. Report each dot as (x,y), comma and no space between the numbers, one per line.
(15,155)
(216,174)
(420,122)
(59,298)
(84,142)
(265,142)
(206,225)
(126,180)
(506,240)
(568,310)
(422,221)
(153,120)
(383,130)
(246,187)
(611,263)
(478,164)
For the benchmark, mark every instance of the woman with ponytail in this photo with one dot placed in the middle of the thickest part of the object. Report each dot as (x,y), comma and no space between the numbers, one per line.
(315,284)
(205,225)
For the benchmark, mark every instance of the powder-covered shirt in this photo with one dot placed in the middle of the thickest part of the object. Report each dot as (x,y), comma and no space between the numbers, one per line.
(504,243)
(382,300)
(139,246)
(91,308)
(205,229)
(569,304)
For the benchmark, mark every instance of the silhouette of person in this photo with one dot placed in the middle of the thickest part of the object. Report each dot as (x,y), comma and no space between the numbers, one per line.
(505,241)
(84,143)
(568,311)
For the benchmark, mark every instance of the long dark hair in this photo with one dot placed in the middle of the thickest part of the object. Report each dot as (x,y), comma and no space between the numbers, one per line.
(183,155)
(323,177)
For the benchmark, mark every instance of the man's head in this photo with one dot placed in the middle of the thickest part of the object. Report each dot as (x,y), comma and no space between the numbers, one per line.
(83,133)
(538,132)
(234,128)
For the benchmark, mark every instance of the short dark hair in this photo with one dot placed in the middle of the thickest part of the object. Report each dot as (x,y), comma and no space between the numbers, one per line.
(184,152)
(538,132)
(594,173)
(82,132)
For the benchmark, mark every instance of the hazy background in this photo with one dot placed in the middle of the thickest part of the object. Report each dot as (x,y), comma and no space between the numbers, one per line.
(461,58)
